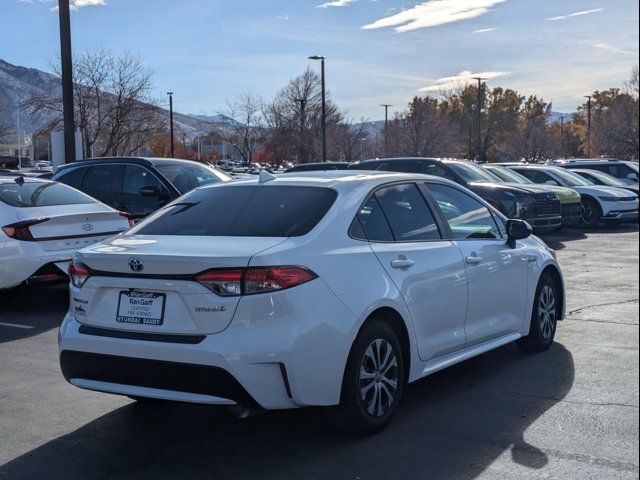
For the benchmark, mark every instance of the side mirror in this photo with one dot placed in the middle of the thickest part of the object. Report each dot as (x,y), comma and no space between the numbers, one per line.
(152,191)
(633,176)
(551,182)
(517,230)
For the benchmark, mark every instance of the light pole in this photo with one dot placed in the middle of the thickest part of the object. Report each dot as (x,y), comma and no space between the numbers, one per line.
(562,136)
(588,97)
(184,142)
(171,123)
(479,118)
(67,82)
(386,124)
(324,106)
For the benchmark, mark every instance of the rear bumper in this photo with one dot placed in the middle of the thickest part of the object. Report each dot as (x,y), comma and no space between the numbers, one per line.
(277,353)
(20,262)
(159,379)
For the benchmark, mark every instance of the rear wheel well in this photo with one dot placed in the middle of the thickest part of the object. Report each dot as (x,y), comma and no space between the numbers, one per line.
(553,272)
(395,321)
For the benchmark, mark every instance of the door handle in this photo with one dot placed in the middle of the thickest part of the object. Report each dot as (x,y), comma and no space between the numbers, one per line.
(402,263)
(473,260)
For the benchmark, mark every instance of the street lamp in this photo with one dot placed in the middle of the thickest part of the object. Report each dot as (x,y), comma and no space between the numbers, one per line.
(324,106)
(588,97)
(479,118)
(67,82)
(171,123)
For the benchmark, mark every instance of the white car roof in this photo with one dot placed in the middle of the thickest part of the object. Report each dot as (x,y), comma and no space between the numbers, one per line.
(337,179)
(26,179)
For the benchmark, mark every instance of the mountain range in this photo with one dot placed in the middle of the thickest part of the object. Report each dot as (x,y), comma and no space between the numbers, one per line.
(16,82)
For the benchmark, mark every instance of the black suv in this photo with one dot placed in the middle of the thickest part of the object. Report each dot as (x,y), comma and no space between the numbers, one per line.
(540,209)
(138,186)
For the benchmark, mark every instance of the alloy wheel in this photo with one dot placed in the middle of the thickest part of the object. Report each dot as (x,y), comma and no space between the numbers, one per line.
(547,312)
(379,378)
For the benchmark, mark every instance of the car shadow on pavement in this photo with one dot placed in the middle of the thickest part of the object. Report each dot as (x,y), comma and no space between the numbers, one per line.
(29,311)
(452,425)
(558,239)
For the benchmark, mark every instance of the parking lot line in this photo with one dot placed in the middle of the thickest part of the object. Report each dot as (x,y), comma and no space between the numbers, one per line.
(15,325)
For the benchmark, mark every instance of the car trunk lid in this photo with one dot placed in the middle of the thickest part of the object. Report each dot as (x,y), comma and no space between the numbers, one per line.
(141,283)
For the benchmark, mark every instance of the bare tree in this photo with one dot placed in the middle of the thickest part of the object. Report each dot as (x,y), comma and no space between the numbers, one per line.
(244,126)
(293,119)
(114,109)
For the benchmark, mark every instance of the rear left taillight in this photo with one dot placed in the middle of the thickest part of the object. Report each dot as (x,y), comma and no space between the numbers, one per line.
(21,230)
(79,273)
(129,217)
(250,281)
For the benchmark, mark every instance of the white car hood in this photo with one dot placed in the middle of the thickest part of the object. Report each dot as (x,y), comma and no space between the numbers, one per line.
(604,191)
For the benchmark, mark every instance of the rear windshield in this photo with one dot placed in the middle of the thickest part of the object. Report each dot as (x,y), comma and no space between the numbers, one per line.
(185,177)
(37,194)
(242,211)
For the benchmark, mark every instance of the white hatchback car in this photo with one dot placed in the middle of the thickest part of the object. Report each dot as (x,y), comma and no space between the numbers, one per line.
(43,223)
(320,288)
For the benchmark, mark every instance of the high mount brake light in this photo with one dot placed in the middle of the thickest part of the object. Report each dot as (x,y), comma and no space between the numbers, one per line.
(21,230)
(249,281)
(79,273)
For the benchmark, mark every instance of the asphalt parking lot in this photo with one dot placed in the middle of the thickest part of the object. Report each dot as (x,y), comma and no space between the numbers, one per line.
(571,412)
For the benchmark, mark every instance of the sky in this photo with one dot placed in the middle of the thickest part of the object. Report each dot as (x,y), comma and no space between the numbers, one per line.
(378,51)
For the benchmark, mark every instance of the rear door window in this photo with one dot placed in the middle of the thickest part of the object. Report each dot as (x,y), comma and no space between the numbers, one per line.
(408,213)
(73,177)
(104,182)
(242,211)
(397,213)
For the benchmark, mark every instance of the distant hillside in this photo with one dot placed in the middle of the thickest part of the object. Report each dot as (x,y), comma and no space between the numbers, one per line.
(17,82)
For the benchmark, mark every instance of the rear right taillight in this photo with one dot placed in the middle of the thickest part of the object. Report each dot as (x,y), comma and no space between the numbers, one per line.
(250,281)
(21,230)
(129,217)
(79,273)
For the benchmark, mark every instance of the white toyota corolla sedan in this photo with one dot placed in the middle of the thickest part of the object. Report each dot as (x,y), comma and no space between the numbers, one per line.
(321,288)
(43,223)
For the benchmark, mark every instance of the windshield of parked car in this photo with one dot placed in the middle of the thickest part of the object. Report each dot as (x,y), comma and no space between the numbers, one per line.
(242,211)
(571,179)
(185,176)
(41,194)
(471,173)
(603,178)
(510,176)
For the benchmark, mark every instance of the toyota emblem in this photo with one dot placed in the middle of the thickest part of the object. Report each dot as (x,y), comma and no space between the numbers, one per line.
(136,265)
(87,227)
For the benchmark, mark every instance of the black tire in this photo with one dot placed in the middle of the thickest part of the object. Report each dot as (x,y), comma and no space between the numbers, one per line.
(544,320)
(354,414)
(591,214)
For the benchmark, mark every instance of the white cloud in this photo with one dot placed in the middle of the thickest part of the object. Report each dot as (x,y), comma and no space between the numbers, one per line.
(461,78)
(485,30)
(434,13)
(78,4)
(576,14)
(336,3)
(610,48)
